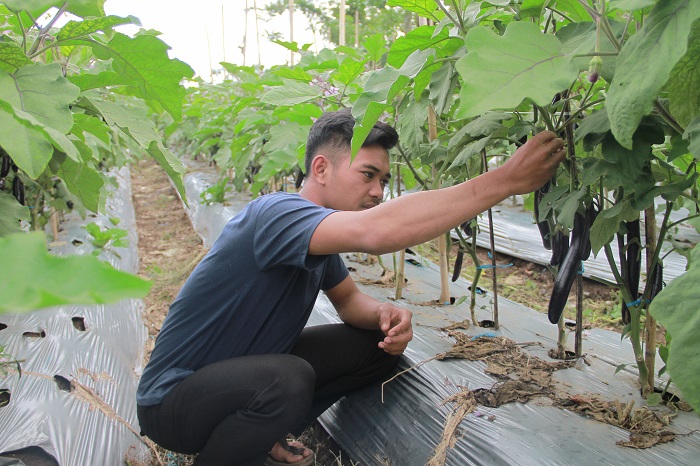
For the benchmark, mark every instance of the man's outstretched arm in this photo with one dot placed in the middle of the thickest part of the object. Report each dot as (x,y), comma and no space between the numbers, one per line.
(420,217)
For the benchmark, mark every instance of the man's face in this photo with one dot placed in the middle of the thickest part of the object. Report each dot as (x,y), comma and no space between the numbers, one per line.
(360,185)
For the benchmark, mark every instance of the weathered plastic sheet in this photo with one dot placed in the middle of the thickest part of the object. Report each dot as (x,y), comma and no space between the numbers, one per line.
(94,422)
(405,428)
(516,234)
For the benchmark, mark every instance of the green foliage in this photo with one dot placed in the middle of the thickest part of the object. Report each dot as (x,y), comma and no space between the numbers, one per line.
(216,193)
(107,238)
(616,79)
(676,308)
(33,278)
(645,64)
(75,102)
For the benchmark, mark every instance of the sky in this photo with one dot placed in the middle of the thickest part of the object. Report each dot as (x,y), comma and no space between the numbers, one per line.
(203,33)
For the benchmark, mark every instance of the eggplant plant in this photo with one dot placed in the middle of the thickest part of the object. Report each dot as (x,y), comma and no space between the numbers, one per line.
(75,101)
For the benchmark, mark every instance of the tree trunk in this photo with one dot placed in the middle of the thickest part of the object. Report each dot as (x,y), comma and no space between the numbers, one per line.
(341,23)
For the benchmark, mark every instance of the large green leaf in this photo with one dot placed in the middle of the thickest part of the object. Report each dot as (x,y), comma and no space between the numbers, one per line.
(143,62)
(676,308)
(291,93)
(34,278)
(42,91)
(499,72)
(12,57)
(425,8)
(381,87)
(645,63)
(12,213)
(684,84)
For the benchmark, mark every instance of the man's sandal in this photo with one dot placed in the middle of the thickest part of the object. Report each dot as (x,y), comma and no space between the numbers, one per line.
(308,461)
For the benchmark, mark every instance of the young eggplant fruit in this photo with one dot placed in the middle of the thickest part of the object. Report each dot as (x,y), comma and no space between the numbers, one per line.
(458,265)
(567,271)
(633,266)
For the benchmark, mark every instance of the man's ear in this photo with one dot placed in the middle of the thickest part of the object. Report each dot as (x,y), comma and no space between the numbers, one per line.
(320,166)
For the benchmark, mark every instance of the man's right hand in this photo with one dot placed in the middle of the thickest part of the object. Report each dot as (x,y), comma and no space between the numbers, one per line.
(533,163)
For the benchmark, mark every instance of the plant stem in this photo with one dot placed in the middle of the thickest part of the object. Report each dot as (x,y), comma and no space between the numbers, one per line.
(634,322)
(563,15)
(652,250)
(46,29)
(447,13)
(668,117)
(410,167)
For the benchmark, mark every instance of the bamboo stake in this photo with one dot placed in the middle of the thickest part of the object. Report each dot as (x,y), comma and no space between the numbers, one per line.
(493,252)
(402,254)
(291,30)
(650,324)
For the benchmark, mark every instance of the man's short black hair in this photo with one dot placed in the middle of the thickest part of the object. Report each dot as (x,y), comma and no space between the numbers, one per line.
(331,135)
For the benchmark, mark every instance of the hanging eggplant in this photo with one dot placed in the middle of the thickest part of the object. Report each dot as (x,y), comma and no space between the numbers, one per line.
(18,190)
(542,226)
(458,265)
(567,270)
(631,266)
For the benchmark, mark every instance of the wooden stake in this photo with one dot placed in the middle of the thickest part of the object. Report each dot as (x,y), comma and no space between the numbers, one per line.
(650,324)
(493,252)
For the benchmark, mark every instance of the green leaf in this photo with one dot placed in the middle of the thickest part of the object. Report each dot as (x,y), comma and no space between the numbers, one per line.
(348,71)
(531,9)
(77,29)
(81,180)
(499,72)
(620,367)
(170,164)
(296,74)
(12,213)
(381,87)
(684,85)
(569,205)
(692,134)
(573,9)
(291,93)
(470,150)
(645,63)
(425,8)
(12,57)
(375,45)
(676,308)
(419,38)
(38,279)
(608,222)
(631,162)
(580,39)
(631,5)
(80,8)
(595,123)
(411,121)
(144,62)
(654,399)
(42,91)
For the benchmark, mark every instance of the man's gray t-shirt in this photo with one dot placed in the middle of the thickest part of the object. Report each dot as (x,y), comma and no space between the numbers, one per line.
(252,293)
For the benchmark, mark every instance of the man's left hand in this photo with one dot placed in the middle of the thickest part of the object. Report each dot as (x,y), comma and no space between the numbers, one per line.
(395,322)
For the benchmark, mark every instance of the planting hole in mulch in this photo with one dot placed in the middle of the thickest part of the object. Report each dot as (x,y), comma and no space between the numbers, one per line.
(63,383)
(79,323)
(41,334)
